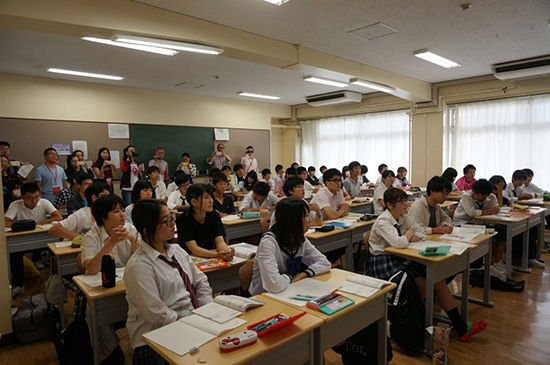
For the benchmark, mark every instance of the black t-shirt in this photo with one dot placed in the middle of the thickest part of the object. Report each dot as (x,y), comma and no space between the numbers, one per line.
(312,180)
(204,234)
(226,207)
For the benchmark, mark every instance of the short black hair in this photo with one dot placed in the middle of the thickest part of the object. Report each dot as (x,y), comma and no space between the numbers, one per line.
(247,147)
(214,171)
(29,187)
(5,143)
(519,175)
(291,183)
(266,172)
(289,228)
(381,167)
(252,174)
(48,150)
(179,172)
(218,177)
(529,172)
(95,188)
(181,179)
(311,168)
(237,167)
(261,188)
(152,169)
(387,173)
(140,185)
(468,168)
(145,217)
(364,169)
(80,176)
(322,167)
(401,169)
(102,206)
(196,191)
(497,179)
(290,171)
(450,174)
(483,187)
(352,164)
(330,173)
(345,168)
(393,195)
(300,170)
(185,154)
(294,163)
(226,167)
(278,167)
(439,184)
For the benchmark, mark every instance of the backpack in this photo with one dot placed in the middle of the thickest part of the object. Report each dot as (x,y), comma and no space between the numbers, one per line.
(36,319)
(406,313)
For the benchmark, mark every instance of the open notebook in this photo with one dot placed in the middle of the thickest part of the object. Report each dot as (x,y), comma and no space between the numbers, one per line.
(226,307)
(243,252)
(456,248)
(364,286)
(465,233)
(304,287)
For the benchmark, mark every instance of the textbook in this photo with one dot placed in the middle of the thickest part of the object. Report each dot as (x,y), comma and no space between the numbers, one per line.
(205,264)
(364,286)
(465,233)
(305,288)
(226,307)
(188,332)
(243,252)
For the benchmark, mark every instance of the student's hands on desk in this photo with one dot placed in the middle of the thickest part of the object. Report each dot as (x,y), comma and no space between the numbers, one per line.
(489,211)
(299,277)
(227,255)
(442,229)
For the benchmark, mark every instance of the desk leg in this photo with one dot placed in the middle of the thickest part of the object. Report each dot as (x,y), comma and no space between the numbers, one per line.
(508,251)
(382,335)
(429,306)
(524,253)
(487,277)
(465,287)
(349,253)
(540,243)
(318,355)
(92,325)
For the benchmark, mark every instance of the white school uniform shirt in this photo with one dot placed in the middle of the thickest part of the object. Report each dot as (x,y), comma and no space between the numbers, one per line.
(399,182)
(378,181)
(277,177)
(249,202)
(95,239)
(128,211)
(155,291)
(79,222)
(269,270)
(384,234)
(533,189)
(175,199)
(18,211)
(308,189)
(420,213)
(171,188)
(324,198)
(271,183)
(468,208)
(378,194)
(273,220)
(353,187)
(513,193)
(160,190)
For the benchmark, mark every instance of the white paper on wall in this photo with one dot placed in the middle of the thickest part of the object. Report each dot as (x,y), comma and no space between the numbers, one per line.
(83,146)
(221,134)
(119,130)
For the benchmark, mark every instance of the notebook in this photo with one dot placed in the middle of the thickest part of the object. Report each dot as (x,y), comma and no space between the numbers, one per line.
(307,286)
(364,286)
(456,248)
(227,307)
(243,252)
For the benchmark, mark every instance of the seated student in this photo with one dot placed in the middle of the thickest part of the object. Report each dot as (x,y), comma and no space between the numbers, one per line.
(80,221)
(309,189)
(259,197)
(223,203)
(388,178)
(499,184)
(142,190)
(226,171)
(30,206)
(201,231)
(364,170)
(467,181)
(153,172)
(162,283)
(311,178)
(451,174)
(345,172)
(266,177)
(531,188)
(279,173)
(187,166)
(81,181)
(66,194)
(104,168)
(322,170)
(480,201)
(110,234)
(176,200)
(172,186)
(381,168)
(211,173)
(401,178)
(238,177)
(515,190)
(250,180)
(394,228)
(285,255)
(354,181)
(427,212)
(279,185)
(330,198)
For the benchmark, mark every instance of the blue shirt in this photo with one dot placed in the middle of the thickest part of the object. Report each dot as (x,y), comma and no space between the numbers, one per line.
(50,178)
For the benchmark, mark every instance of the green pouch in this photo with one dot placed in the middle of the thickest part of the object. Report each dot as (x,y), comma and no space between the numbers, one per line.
(435,251)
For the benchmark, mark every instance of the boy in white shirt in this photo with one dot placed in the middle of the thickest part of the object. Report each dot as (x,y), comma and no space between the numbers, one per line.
(515,190)
(259,197)
(266,177)
(309,189)
(158,185)
(388,178)
(427,212)
(381,168)
(330,198)
(479,201)
(177,200)
(354,181)
(531,188)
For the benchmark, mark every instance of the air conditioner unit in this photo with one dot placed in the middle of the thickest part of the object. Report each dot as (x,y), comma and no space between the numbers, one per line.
(522,69)
(338,97)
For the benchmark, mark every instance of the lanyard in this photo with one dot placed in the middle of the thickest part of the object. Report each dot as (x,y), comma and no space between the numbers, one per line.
(54,178)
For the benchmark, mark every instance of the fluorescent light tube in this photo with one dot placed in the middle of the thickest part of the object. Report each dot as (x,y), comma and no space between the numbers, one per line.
(372,85)
(433,58)
(85,74)
(169,44)
(324,81)
(163,51)
(277,2)
(250,95)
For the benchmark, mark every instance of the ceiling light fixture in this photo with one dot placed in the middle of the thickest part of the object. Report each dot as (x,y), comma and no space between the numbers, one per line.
(433,58)
(277,2)
(319,80)
(250,95)
(84,74)
(163,51)
(168,44)
(372,85)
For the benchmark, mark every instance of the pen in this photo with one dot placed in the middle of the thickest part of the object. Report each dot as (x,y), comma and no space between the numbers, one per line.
(304,297)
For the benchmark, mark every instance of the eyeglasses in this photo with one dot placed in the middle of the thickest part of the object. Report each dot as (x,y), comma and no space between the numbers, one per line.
(336,180)
(170,219)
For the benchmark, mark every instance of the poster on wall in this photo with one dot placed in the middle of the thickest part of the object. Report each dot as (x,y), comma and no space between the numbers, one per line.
(115,158)
(120,131)
(221,134)
(63,149)
(83,146)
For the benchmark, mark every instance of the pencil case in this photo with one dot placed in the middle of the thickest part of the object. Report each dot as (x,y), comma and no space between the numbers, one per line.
(276,325)
(435,251)
(250,215)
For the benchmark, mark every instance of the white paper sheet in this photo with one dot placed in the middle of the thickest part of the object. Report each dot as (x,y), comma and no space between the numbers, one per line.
(358,289)
(216,312)
(25,170)
(305,286)
(119,130)
(211,327)
(456,248)
(81,145)
(230,217)
(179,337)
(532,201)
(45,226)
(95,280)
(63,244)
(221,134)
(8,229)
(460,236)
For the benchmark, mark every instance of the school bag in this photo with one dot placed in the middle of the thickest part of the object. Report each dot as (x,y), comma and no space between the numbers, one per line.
(406,313)
(36,319)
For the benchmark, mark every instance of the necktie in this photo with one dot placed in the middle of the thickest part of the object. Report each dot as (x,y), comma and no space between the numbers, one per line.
(515,193)
(186,281)
(397,228)
(182,200)
(433,221)
(479,205)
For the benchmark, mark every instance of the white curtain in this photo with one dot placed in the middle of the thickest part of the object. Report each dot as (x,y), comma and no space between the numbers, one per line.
(371,139)
(498,137)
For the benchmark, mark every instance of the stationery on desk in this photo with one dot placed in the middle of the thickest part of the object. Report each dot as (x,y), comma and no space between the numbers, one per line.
(243,252)
(205,264)
(465,233)
(455,249)
(227,307)
(95,280)
(339,223)
(231,217)
(364,286)
(63,244)
(305,288)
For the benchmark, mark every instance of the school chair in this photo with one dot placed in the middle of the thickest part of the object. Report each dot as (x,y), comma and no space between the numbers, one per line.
(245,276)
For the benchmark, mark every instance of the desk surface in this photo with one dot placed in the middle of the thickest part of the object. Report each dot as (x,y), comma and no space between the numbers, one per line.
(60,251)
(335,231)
(211,354)
(359,204)
(99,292)
(239,221)
(538,202)
(21,233)
(515,216)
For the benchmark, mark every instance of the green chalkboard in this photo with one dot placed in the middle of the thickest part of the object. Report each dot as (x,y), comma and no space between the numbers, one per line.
(197,141)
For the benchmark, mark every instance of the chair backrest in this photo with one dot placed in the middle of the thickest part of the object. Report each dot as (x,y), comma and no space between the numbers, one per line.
(245,276)
(366,237)
(79,264)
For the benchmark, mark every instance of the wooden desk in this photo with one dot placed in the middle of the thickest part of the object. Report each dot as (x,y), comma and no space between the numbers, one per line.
(361,207)
(539,202)
(448,203)
(456,197)
(27,241)
(65,259)
(289,345)
(240,228)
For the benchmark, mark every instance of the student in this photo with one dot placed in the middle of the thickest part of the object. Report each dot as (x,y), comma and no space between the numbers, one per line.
(364,170)
(81,181)
(330,198)
(82,220)
(295,165)
(49,177)
(427,211)
(381,168)
(142,190)
(201,231)
(12,192)
(531,188)
(301,172)
(278,191)
(279,173)
(104,168)
(388,178)
(285,255)
(322,170)
(226,171)
(110,234)
(353,182)
(72,166)
(176,199)
(84,164)
(188,167)
(223,203)
(515,190)
(259,197)
(172,186)
(345,172)
(248,161)
(158,161)
(131,172)
(311,178)
(266,177)
(250,180)
(478,202)
(219,158)
(162,283)
(30,206)
(467,181)
(401,178)
(238,177)
(153,172)
(211,173)
(394,228)
(451,174)
(499,184)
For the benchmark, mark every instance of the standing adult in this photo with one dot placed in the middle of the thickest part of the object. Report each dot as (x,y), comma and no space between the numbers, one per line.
(85,167)
(219,158)
(104,168)
(131,173)
(249,161)
(158,161)
(50,177)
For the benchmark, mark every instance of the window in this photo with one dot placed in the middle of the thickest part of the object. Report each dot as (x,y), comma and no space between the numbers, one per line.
(371,139)
(501,136)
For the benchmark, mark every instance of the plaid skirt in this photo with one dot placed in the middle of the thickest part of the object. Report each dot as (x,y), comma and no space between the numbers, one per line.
(144,355)
(385,266)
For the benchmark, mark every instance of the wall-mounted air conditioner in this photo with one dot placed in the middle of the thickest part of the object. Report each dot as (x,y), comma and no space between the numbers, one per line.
(338,97)
(522,69)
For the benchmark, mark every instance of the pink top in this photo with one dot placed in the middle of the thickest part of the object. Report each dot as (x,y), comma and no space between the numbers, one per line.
(462,184)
